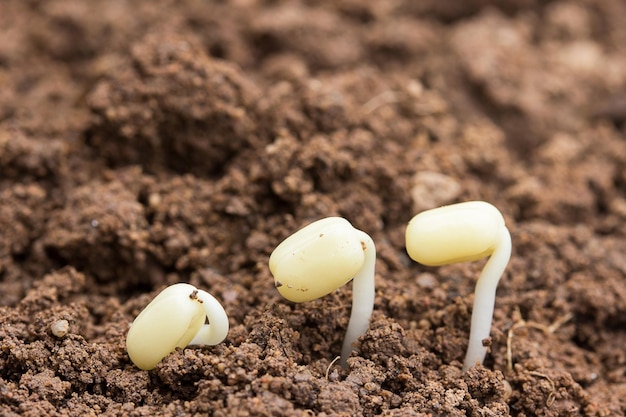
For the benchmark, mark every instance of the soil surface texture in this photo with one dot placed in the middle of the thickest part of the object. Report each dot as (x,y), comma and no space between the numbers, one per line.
(145,143)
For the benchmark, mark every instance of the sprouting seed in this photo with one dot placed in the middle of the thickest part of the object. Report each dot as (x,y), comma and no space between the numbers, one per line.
(461,233)
(322,257)
(175,319)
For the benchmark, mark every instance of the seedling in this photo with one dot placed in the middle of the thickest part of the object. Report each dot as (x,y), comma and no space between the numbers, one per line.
(461,233)
(322,257)
(175,319)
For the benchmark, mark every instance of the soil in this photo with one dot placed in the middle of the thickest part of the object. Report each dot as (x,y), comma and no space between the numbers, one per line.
(152,142)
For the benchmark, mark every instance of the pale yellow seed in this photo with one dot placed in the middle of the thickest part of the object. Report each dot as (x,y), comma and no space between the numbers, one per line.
(171,320)
(317,259)
(456,233)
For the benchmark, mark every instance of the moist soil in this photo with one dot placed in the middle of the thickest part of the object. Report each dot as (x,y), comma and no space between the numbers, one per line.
(152,142)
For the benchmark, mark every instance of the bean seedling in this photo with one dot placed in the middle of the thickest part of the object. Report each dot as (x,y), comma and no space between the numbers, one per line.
(175,319)
(322,257)
(461,233)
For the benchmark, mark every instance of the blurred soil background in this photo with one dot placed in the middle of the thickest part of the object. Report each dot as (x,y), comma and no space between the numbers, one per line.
(144,143)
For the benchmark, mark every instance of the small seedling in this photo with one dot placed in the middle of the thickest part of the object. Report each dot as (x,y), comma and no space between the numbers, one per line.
(322,257)
(461,233)
(175,319)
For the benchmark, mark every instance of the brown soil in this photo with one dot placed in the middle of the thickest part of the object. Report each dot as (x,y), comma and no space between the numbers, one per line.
(151,142)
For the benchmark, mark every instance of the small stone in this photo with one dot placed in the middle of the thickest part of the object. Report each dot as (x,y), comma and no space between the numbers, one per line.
(60,328)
